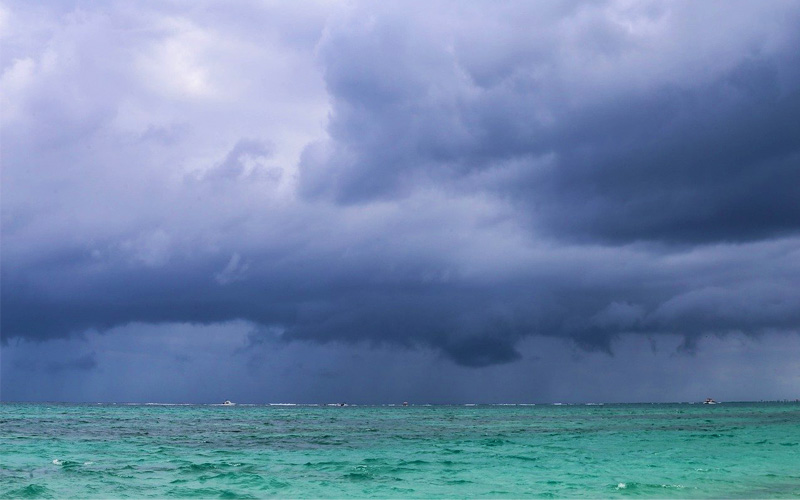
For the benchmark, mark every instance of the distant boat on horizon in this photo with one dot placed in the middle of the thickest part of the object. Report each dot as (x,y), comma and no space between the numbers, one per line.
(709,401)
(228,403)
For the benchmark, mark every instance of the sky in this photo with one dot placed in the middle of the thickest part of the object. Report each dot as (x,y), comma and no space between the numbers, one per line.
(377,202)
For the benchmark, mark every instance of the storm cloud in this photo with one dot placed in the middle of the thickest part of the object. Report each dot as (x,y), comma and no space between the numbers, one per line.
(441,177)
(607,122)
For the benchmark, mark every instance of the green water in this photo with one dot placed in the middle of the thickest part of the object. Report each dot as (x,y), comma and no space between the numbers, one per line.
(744,450)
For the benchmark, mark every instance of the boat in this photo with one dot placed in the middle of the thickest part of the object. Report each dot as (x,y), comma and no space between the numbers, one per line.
(709,401)
(228,403)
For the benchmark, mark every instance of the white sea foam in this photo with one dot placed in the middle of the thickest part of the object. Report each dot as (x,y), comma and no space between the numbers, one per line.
(57,462)
(622,486)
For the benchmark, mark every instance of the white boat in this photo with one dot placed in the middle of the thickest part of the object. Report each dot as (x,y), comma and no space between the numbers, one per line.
(709,401)
(228,403)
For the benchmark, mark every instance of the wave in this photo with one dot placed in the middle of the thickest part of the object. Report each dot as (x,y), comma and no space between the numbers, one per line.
(30,491)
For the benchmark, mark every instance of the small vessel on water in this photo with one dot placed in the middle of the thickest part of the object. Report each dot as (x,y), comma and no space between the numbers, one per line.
(709,401)
(228,403)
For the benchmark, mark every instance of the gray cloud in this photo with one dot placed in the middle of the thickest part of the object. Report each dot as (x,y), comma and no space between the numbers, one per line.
(574,122)
(451,178)
(221,368)
(85,362)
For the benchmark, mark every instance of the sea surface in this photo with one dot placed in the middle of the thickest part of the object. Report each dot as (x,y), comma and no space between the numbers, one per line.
(729,450)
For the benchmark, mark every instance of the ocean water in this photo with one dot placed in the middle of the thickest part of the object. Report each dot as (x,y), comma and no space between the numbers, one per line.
(730,450)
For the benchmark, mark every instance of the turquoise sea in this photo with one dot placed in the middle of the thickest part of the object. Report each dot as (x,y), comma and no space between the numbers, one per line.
(730,450)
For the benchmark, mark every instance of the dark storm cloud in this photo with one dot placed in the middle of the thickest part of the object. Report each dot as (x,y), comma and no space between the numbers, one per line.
(686,158)
(733,368)
(484,175)
(711,170)
(85,362)
(474,320)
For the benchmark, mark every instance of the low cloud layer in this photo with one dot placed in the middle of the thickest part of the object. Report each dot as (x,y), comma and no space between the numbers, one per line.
(446,177)
(208,364)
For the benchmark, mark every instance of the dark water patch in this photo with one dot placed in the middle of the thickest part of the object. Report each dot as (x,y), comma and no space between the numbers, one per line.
(416,463)
(498,493)
(328,466)
(458,481)
(30,491)
(712,435)
(228,494)
(237,478)
(223,452)
(273,484)
(205,493)
(452,451)
(358,476)
(199,468)
(327,441)
(405,492)
(494,442)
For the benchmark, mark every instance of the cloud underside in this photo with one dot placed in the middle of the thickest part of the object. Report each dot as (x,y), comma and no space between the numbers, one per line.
(456,177)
